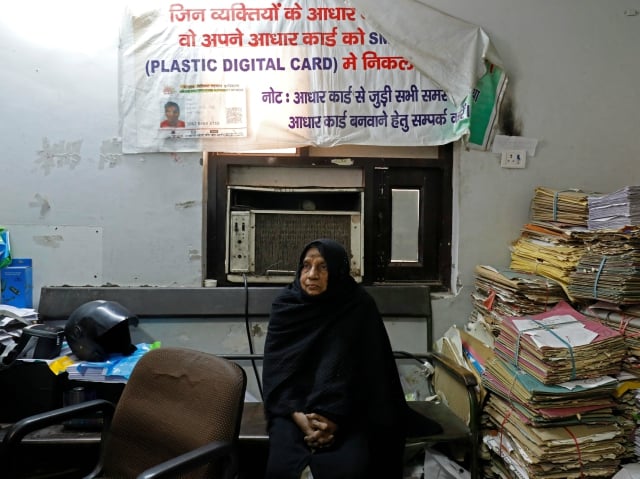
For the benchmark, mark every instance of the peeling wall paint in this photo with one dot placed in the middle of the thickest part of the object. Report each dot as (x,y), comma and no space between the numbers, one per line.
(186,204)
(63,154)
(110,153)
(258,331)
(49,241)
(40,202)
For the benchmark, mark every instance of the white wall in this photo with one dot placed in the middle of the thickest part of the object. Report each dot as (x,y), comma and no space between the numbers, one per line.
(84,212)
(573,69)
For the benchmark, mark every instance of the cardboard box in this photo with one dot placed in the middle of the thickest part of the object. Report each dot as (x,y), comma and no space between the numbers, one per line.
(17,283)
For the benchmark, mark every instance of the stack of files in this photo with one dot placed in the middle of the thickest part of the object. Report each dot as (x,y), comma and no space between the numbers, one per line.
(26,315)
(12,321)
(542,405)
(626,395)
(637,431)
(559,452)
(548,250)
(615,210)
(624,319)
(503,293)
(116,369)
(93,372)
(610,269)
(614,278)
(609,243)
(556,233)
(560,345)
(569,206)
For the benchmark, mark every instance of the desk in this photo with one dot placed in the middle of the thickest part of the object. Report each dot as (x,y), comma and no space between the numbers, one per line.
(421,423)
(253,437)
(253,427)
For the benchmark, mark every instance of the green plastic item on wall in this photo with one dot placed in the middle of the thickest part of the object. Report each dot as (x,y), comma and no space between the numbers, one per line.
(5,248)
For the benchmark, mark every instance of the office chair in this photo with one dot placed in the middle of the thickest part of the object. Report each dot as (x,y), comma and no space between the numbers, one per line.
(179,416)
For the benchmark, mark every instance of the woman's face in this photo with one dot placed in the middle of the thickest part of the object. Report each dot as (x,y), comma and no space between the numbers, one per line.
(314,277)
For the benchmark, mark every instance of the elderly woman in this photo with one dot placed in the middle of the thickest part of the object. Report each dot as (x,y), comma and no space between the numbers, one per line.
(332,394)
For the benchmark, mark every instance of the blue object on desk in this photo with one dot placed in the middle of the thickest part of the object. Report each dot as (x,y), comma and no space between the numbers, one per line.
(17,283)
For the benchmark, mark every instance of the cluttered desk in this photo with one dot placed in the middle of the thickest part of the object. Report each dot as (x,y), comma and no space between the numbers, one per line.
(83,444)
(36,388)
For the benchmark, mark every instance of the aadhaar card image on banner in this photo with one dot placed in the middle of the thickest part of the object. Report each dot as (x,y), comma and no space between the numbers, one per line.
(210,111)
(231,76)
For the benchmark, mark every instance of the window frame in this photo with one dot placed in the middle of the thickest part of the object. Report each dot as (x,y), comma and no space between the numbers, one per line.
(438,168)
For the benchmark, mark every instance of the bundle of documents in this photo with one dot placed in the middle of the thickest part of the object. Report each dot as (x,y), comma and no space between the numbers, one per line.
(502,293)
(563,206)
(562,452)
(637,430)
(626,395)
(468,351)
(615,210)
(609,270)
(624,319)
(116,369)
(548,250)
(613,278)
(543,405)
(560,345)
(12,321)
(556,233)
(608,242)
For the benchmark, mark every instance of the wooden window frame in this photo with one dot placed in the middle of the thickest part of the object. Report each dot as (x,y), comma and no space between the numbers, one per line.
(381,174)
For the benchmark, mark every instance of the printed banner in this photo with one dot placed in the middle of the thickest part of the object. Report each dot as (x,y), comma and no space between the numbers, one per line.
(235,76)
(487,98)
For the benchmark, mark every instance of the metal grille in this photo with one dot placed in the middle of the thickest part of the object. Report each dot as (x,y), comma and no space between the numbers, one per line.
(279,238)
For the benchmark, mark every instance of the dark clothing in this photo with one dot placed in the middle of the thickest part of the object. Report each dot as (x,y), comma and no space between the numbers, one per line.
(288,454)
(330,354)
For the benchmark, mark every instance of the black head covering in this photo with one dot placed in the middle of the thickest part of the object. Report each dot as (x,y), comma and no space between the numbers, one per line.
(330,353)
(341,283)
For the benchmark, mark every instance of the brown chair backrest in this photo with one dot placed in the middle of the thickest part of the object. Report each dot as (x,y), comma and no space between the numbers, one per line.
(175,400)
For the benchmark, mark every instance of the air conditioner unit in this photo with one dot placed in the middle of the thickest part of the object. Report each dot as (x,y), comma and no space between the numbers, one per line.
(264,245)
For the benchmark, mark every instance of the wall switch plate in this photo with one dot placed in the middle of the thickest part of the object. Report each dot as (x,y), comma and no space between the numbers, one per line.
(514,159)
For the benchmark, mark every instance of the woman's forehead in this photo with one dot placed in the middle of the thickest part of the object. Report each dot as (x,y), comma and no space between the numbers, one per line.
(312,253)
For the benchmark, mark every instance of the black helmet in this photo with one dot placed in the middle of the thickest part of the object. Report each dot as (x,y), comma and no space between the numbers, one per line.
(99,328)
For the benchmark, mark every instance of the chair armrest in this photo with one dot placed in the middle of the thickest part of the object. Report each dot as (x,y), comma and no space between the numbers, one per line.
(15,433)
(189,460)
(18,430)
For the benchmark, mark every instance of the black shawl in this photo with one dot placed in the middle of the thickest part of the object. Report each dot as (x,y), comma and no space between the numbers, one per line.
(330,353)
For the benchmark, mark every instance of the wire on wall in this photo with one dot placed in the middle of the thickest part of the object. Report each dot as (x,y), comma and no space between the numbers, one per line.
(249,336)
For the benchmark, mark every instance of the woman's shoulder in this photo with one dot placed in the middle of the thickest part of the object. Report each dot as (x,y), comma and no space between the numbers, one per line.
(361,293)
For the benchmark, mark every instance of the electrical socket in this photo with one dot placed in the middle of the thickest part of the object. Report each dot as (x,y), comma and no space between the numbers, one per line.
(514,159)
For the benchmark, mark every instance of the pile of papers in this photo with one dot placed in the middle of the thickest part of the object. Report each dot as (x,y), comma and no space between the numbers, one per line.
(615,210)
(627,396)
(569,207)
(549,250)
(626,320)
(560,345)
(537,404)
(610,269)
(116,369)
(577,451)
(503,293)
(551,411)
(12,321)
